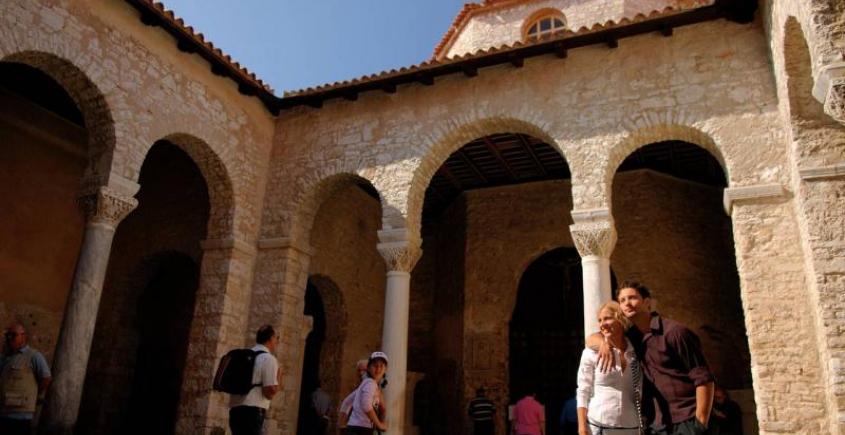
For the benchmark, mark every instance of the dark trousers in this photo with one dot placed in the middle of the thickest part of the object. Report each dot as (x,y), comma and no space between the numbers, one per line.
(246,420)
(11,426)
(689,427)
(321,425)
(355,430)
(483,427)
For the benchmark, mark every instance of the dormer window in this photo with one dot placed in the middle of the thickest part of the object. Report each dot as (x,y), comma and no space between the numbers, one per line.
(543,24)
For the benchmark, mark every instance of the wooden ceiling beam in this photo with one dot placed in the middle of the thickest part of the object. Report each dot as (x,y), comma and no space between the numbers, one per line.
(495,151)
(456,183)
(472,166)
(531,153)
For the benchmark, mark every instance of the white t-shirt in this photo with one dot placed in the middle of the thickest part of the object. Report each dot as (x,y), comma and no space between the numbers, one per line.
(263,375)
(367,398)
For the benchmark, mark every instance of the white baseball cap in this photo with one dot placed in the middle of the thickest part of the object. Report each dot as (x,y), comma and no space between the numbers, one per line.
(377,355)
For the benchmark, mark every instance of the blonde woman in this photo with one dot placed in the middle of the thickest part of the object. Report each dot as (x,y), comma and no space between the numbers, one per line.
(608,402)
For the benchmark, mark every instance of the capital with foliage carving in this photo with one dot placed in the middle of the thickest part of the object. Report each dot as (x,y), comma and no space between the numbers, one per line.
(835,103)
(400,249)
(106,207)
(829,89)
(593,232)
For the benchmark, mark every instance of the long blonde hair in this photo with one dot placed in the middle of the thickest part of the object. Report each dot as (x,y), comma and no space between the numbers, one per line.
(616,310)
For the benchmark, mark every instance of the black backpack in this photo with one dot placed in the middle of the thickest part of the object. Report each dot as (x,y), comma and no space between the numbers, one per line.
(234,373)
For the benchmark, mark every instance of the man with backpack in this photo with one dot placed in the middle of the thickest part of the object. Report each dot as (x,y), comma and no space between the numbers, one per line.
(246,417)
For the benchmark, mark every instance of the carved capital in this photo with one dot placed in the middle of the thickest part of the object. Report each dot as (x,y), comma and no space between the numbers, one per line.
(835,103)
(829,89)
(597,237)
(106,207)
(400,250)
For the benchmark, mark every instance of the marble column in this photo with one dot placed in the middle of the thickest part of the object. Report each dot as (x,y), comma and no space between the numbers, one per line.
(104,209)
(594,235)
(401,253)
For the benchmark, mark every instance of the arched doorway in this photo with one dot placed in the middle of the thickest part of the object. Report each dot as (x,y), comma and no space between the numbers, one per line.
(547,332)
(311,361)
(347,276)
(674,236)
(490,207)
(172,279)
(43,158)
(141,337)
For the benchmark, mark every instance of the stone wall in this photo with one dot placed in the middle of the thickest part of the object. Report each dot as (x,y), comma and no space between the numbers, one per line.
(344,242)
(505,25)
(134,87)
(673,235)
(43,159)
(167,221)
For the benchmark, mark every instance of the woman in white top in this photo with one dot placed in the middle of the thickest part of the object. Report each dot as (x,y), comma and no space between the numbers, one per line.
(368,405)
(606,401)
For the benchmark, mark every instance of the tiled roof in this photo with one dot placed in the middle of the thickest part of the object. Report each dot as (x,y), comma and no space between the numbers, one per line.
(200,38)
(434,63)
(470,9)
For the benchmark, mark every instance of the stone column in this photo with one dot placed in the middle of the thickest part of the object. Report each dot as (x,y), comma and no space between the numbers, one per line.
(401,253)
(594,235)
(104,210)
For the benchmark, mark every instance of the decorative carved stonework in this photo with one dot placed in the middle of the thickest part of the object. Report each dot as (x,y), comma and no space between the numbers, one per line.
(400,256)
(594,238)
(834,105)
(106,206)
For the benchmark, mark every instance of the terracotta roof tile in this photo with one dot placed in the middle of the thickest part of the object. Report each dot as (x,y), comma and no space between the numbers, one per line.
(470,9)
(431,63)
(200,38)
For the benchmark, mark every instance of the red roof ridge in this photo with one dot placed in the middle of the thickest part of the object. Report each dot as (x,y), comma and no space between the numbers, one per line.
(470,9)
(430,63)
(200,38)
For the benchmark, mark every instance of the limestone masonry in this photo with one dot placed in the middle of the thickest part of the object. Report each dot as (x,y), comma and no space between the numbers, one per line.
(466,215)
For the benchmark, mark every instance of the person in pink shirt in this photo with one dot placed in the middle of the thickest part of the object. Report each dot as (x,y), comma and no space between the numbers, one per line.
(529,416)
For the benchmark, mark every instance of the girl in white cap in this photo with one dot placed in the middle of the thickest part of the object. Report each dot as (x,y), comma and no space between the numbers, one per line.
(368,405)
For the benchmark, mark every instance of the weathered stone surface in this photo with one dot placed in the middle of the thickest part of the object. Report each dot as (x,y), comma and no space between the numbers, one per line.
(743,92)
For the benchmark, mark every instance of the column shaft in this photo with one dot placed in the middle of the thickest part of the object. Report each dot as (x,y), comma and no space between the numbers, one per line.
(596,272)
(395,345)
(104,210)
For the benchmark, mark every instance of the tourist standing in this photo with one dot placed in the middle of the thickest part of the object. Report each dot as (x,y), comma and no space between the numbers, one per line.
(247,414)
(677,383)
(529,417)
(24,377)
(482,411)
(368,410)
(607,402)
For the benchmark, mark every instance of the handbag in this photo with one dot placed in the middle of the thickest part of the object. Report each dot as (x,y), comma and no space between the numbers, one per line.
(637,379)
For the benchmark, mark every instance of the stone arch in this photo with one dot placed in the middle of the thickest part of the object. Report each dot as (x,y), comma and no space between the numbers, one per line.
(447,141)
(334,306)
(90,101)
(315,190)
(217,179)
(659,133)
(799,73)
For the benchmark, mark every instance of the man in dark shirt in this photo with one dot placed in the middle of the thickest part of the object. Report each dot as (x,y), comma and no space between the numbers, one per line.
(678,387)
(481,411)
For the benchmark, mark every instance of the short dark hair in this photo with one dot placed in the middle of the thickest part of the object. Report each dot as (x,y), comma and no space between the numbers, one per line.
(264,334)
(636,285)
(479,391)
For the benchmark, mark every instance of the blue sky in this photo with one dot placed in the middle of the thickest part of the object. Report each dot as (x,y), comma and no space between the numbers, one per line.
(292,44)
